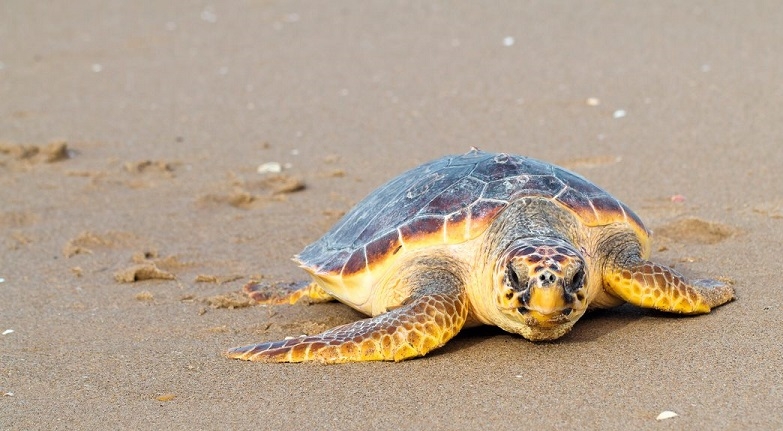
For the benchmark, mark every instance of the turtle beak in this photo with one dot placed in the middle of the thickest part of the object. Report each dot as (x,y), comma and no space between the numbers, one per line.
(549,320)
(546,300)
(545,292)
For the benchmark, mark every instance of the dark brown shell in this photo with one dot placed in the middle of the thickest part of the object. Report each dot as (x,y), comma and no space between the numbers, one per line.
(451,200)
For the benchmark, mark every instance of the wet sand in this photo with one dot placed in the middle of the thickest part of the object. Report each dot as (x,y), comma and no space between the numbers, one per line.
(132,212)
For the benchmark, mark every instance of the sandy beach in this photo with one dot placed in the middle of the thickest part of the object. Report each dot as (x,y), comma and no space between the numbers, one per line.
(132,209)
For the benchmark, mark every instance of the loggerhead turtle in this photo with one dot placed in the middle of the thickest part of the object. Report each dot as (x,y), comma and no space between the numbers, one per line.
(479,238)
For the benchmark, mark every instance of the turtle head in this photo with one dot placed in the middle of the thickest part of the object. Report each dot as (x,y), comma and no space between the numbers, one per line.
(540,287)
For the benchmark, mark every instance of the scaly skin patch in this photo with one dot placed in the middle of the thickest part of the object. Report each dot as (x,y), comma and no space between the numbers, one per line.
(412,330)
(651,285)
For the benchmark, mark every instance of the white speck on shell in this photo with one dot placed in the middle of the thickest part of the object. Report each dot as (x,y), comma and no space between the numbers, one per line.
(8,331)
(96,67)
(501,158)
(666,414)
(620,113)
(508,41)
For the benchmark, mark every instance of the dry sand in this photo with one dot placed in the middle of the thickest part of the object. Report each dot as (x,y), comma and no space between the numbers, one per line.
(131,211)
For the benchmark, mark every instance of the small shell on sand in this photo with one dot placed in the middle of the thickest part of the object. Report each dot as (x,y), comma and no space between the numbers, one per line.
(666,414)
(270,168)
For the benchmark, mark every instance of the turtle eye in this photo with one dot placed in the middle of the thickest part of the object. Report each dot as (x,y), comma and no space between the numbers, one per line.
(512,276)
(577,281)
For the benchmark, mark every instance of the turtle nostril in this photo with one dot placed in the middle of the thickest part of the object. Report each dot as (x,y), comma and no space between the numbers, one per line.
(546,278)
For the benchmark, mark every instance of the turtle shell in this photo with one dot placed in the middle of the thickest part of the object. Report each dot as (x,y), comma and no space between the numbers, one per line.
(448,201)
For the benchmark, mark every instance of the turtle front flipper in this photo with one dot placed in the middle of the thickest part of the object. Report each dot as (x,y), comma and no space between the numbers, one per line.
(435,313)
(285,293)
(651,285)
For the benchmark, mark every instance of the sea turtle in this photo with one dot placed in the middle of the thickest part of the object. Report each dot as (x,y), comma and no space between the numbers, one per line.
(478,238)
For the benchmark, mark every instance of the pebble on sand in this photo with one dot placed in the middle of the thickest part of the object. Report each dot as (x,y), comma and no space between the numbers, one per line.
(593,101)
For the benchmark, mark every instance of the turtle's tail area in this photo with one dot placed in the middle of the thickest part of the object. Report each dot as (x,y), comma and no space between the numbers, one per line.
(286,293)
(412,330)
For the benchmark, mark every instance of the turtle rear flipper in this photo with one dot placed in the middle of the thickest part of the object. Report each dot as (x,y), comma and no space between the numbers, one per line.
(436,312)
(286,293)
(651,285)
